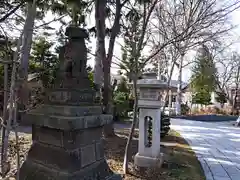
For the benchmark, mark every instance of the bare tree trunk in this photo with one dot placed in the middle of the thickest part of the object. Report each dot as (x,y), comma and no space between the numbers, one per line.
(179,87)
(100,43)
(5,91)
(98,69)
(102,67)
(4,107)
(25,51)
(5,164)
(100,16)
(135,112)
(16,136)
(168,86)
(236,91)
(108,129)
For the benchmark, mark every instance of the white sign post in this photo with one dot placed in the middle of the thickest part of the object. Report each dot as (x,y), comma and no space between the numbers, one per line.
(149,128)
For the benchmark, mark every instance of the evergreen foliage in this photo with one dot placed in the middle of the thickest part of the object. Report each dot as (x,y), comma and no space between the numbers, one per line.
(122,85)
(43,61)
(121,99)
(221,97)
(132,33)
(203,80)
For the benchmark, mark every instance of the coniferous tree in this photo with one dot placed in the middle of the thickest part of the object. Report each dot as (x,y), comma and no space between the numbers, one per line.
(43,61)
(122,85)
(221,98)
(203,80)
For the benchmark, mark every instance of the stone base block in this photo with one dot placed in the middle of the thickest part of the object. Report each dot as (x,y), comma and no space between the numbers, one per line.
(144,161)
(31,170)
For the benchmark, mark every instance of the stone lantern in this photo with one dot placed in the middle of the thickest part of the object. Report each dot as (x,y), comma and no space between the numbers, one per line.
(150,103)
(67,128)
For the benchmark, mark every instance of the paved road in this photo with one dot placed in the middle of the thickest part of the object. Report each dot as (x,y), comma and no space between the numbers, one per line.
(217,146)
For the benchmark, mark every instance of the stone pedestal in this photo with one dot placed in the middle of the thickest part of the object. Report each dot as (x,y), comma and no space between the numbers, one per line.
(67,129)
(149,147)
(149,104)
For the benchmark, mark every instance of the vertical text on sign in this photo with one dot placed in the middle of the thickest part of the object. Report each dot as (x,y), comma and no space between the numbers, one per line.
(148,125)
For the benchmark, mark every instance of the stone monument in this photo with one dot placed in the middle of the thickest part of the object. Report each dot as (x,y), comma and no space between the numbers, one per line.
(67,128)
(149,104)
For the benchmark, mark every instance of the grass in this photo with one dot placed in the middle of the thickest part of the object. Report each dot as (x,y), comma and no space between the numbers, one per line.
(183,156)
(180,161)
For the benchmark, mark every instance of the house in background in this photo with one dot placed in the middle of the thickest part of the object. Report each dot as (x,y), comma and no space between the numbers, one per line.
(232,92)
(187,98)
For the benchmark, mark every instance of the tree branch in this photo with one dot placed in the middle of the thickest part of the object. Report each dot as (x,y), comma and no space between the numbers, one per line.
(47,23)
(115,31)
(11,12)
